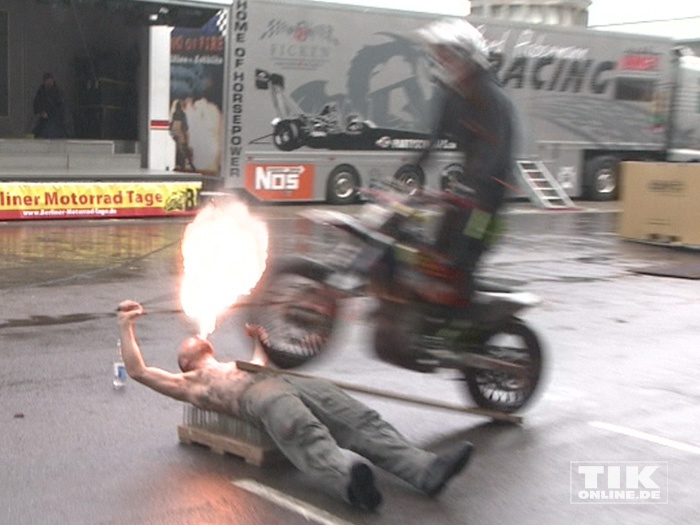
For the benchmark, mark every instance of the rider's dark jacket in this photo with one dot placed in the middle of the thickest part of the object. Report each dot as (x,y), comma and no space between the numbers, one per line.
(484,129)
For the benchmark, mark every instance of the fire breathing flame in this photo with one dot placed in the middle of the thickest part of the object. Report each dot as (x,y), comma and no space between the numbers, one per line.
(224,253)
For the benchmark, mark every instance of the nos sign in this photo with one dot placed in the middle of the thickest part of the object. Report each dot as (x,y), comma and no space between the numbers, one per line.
(280,181)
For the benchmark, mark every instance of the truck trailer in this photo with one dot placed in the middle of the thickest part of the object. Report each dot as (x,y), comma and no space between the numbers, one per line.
(589,100)
(321,99)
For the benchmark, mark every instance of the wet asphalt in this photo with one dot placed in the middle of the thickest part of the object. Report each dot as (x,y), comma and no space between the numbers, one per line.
(620,390)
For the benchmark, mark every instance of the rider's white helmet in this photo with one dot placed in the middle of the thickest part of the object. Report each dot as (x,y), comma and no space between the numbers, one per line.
(460,37)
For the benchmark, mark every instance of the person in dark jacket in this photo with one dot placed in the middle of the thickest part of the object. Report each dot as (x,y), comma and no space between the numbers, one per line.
(472,110)
(49,110)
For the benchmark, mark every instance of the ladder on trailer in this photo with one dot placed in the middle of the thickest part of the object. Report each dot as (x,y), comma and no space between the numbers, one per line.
(543,189)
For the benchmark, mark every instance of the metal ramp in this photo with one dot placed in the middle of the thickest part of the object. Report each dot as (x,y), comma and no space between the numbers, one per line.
(543,189)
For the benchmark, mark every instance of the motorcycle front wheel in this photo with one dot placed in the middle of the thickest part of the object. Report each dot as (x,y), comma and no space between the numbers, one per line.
(506,391)
(294,313)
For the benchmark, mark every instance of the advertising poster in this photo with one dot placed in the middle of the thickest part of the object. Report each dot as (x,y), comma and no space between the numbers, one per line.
(97,200)
(196,95)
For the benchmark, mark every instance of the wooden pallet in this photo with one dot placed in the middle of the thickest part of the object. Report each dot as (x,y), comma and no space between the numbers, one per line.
(253,453)
(224,433)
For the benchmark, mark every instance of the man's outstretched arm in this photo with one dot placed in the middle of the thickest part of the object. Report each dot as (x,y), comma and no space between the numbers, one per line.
(162,381)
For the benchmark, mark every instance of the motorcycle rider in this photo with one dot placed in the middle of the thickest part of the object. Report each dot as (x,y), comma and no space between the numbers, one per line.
(472,110)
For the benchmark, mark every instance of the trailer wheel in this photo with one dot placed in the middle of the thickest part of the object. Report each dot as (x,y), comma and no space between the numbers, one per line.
(602,178)
(451,174)
(343,183)
(410,176)
(287,135)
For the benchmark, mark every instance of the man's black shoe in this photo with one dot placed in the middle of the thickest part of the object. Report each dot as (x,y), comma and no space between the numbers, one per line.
(445,466)
(361,491)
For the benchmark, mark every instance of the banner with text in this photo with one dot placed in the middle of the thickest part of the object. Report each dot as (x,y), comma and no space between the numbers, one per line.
(97,200)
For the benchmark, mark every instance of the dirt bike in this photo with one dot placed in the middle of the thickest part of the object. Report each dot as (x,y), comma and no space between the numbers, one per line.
(422,321)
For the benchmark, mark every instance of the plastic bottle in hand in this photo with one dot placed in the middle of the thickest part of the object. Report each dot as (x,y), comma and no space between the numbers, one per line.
(119,370)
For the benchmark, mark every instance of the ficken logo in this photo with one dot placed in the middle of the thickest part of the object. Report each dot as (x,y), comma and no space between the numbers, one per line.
(628,482)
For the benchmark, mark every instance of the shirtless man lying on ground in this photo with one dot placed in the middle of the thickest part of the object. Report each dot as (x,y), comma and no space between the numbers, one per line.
(310,420)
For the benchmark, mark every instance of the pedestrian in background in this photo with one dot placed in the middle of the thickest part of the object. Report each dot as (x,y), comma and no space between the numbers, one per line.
(49,110)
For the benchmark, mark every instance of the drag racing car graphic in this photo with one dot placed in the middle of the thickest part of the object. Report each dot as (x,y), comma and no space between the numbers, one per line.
(328,129)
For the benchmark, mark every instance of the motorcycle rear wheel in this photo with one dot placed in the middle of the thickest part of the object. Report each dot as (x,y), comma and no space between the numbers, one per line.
(295,313)
(501,390)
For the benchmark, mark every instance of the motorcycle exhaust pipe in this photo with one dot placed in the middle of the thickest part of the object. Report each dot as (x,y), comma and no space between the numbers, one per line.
(448,359)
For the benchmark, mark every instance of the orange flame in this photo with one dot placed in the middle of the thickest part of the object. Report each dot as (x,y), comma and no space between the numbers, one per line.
(224,253)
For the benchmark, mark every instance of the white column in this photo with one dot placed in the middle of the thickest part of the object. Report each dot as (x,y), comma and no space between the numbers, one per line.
(161,147)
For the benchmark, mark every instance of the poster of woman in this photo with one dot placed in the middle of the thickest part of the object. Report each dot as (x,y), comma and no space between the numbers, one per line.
(196,95)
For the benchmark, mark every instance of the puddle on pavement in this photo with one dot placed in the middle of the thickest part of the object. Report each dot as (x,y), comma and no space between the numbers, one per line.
(48,320)
(42,254)
(45,254)
(31,254)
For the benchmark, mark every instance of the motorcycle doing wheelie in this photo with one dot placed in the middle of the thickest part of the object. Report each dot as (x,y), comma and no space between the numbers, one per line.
(422,322)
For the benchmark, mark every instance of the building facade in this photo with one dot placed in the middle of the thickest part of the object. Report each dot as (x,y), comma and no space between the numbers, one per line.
(552,12)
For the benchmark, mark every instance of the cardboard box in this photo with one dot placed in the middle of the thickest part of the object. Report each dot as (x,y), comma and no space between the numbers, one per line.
(660,202)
